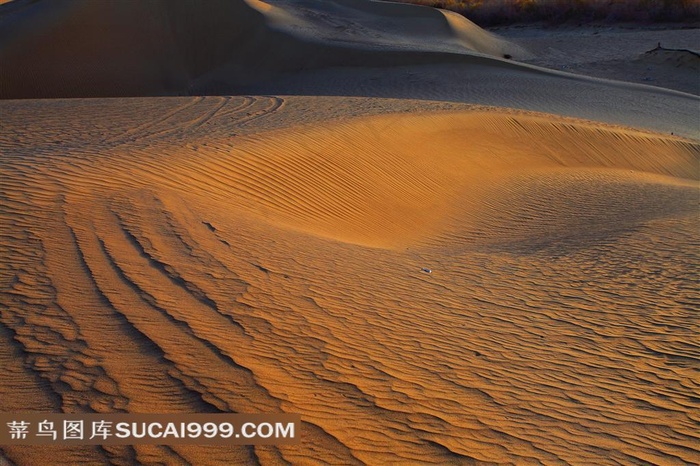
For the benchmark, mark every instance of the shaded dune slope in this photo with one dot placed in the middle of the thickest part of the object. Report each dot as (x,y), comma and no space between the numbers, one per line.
(686,60)
(384,25)
(81,48)
(173,258)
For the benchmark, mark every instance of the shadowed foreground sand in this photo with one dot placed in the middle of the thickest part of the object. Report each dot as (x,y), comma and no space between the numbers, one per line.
(235,254)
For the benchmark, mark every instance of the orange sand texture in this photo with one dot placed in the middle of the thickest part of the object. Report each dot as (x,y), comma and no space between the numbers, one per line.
(262,253)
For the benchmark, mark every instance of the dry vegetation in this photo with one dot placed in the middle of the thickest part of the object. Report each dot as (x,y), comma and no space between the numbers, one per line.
(496,12)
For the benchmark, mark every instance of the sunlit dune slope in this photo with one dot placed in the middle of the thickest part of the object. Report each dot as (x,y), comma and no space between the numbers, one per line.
(403,177)
(82,48)
(232,254)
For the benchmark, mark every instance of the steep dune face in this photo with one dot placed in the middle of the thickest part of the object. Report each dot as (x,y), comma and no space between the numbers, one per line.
(168,255)
(81,48)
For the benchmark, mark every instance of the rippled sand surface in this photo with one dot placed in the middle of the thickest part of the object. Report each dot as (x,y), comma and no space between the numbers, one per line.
(241,255)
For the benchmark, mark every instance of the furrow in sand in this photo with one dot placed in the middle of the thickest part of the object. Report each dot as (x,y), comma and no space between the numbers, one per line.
(135,365)
(52,338)
(179,336)
(234,394)
(263,106)
(134,135)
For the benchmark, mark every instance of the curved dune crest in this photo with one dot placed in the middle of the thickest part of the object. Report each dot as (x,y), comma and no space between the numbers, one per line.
(480,40)
(385,25)
(403,177)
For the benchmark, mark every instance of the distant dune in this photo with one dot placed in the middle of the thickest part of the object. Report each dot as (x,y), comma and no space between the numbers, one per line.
(83,48)
(434,254)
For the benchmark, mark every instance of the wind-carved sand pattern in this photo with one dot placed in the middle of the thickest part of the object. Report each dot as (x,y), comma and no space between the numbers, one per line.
(196,255)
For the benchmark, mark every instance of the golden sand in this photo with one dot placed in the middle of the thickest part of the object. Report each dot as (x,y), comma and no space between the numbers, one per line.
(424,281)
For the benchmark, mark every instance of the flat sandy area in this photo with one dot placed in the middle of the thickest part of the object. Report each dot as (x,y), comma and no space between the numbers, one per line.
(625,53)
(355,211)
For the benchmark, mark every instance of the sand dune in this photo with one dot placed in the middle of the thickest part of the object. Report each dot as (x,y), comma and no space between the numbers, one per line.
(81,48)
(265,250)
(286,261)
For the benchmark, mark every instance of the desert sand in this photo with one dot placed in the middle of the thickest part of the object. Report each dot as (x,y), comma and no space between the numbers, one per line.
(664,55)
(228,208)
